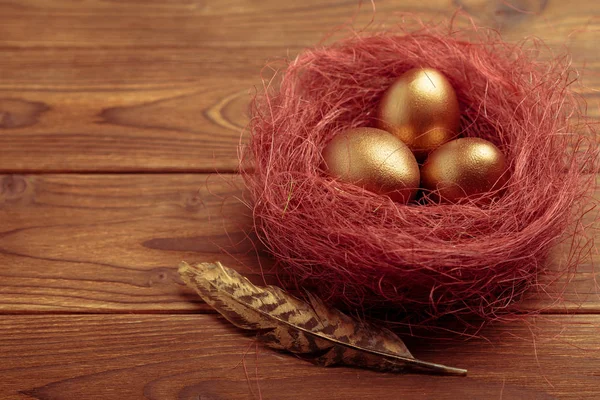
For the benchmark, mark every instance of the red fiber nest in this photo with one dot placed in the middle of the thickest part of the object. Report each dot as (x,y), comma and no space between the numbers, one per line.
(423,260)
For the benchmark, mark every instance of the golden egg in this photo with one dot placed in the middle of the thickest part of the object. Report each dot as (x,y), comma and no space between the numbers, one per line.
(464,167)
(421,109)
(375,160)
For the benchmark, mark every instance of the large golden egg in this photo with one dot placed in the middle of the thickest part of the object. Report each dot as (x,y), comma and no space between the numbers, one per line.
(421,109)
(464,167)
(375,160)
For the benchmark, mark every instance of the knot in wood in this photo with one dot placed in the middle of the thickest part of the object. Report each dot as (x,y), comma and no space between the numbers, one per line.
(12,186)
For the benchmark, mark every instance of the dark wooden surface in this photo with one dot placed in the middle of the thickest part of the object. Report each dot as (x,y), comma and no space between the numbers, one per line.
(119,127)
(201,357)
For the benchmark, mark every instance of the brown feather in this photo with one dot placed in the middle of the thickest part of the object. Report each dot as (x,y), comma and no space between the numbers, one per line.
(311,329)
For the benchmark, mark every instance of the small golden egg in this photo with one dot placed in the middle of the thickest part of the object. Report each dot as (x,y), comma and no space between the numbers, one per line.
(375,160)
(421,109)
(464,167)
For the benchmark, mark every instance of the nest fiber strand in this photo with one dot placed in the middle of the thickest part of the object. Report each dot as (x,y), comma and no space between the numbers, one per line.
(362,250)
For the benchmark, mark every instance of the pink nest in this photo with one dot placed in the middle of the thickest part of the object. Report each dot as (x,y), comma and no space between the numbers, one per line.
(422,260)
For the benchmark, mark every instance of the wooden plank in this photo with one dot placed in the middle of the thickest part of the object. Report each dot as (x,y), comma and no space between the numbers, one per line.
(203,357)
(192,127)
(130,86)
(111,243)
(71,23)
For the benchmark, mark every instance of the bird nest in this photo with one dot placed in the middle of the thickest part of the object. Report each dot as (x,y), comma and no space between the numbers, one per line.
(422,260)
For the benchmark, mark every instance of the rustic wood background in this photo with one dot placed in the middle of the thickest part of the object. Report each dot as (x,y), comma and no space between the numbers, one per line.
(119,126)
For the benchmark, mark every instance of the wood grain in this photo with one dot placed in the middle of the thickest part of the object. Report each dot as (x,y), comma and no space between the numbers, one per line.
(203,357)
(114,116)
(111,243)
(164,86)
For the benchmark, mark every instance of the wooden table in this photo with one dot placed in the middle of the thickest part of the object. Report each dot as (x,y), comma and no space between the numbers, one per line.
(119,126)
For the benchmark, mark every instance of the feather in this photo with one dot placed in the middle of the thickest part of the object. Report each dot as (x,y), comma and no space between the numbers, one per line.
(309,329)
